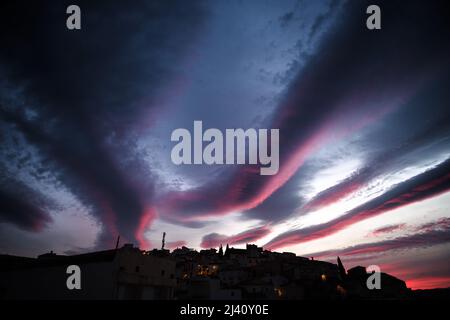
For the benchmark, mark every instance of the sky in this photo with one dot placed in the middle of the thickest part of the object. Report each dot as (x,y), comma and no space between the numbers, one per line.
(86,118)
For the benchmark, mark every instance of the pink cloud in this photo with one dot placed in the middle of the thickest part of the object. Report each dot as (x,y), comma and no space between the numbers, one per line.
(213,240)
(176,244)
(145,221)
(419,188)
(388,229)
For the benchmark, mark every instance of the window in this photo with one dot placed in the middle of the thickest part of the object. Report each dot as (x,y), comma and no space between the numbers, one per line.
(137,268)
(163,272)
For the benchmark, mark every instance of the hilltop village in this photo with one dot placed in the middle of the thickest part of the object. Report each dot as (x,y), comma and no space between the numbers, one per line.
(184,273)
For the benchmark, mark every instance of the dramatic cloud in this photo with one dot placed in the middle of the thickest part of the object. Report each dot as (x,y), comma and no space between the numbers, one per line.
(388,229)
(86,118)
(386,161)
(21,205)
(423,186)
(436,233)
(86,88)
(441,224)
(21,212)
(334,95)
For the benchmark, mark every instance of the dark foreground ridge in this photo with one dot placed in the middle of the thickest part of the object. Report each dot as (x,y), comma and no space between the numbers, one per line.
(230,274)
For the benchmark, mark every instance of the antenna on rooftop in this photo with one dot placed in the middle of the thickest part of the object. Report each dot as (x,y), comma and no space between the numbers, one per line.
(117,242)
(163,241)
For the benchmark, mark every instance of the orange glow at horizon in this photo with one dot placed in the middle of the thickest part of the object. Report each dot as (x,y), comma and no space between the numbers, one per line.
(428,283)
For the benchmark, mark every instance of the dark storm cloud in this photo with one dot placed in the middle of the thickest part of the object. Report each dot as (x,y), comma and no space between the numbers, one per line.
(423,186)
(354,78)
(20,204)
(22,210)
(86,87)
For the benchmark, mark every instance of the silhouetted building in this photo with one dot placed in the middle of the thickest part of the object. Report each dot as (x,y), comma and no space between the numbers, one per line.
(250,273)
(390,286)
(126,273)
